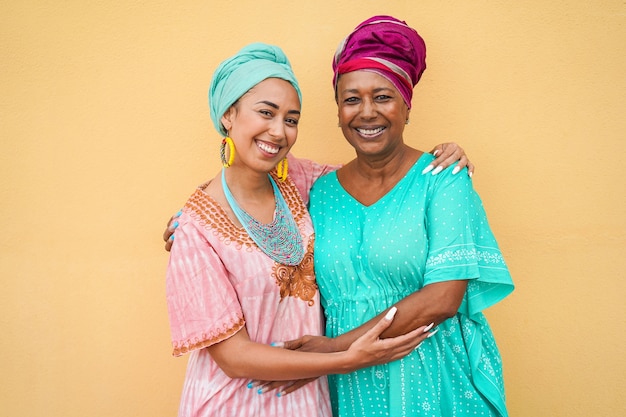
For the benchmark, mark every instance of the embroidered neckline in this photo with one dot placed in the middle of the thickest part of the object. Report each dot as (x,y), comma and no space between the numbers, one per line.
(280,239)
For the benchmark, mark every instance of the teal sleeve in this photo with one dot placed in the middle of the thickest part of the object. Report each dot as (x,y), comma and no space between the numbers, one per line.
(461,244)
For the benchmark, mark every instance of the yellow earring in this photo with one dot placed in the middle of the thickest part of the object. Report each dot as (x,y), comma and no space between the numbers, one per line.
(231,152)
(281,169)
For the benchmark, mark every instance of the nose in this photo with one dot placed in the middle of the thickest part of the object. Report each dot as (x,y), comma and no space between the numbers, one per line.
(368,109)
(277,128)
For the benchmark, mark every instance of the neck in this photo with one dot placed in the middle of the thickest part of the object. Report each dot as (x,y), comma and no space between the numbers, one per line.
(247,185)
(384,166)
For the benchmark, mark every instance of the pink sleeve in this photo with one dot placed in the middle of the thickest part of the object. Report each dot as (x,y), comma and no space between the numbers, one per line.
(304,172)
(202,303)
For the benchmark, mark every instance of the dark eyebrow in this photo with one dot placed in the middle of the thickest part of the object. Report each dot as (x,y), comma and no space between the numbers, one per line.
(376,90)
(275,106)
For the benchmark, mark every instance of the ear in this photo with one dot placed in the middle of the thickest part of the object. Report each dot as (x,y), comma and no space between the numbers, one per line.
(226,119)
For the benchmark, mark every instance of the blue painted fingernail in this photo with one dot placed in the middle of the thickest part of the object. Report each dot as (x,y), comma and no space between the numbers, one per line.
(278,394)
(260,391)
(250,384)
(172,237)
(175,225)
(179,213)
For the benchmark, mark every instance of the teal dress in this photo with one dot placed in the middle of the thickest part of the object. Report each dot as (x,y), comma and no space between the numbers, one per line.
(427,229)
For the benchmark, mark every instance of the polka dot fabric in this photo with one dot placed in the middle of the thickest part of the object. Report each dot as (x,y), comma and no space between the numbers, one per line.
(427,229)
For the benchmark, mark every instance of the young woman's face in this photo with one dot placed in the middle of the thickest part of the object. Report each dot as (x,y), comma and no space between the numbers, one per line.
(263,124)
(372,113)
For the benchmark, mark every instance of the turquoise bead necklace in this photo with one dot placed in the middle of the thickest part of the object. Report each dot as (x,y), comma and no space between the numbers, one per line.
(280,239)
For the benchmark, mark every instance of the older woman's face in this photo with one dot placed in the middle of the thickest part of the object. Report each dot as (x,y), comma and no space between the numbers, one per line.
(371,111)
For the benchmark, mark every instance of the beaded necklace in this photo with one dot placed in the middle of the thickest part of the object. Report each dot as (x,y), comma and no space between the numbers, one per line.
(280,239)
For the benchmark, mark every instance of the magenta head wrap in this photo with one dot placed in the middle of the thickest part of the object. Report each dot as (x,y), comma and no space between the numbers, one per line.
(386,46)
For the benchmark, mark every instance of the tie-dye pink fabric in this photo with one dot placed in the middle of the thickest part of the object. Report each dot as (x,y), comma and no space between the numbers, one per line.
(218,281)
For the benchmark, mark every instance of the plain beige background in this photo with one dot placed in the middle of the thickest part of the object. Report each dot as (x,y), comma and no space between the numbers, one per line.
(105,131)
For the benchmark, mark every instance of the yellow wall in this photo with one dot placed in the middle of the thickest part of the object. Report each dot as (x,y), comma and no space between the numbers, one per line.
(104,132)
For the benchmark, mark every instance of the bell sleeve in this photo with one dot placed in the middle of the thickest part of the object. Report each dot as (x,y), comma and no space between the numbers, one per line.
(202,303)
(462,245)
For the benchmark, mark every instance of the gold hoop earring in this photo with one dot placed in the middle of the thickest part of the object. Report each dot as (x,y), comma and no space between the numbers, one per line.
(281,169)
(231,152)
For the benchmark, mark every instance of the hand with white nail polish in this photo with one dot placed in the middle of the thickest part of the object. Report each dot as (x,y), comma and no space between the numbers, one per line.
(447,154)
(369,344)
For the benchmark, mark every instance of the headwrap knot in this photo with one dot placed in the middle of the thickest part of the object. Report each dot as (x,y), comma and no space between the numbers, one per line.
(387,46)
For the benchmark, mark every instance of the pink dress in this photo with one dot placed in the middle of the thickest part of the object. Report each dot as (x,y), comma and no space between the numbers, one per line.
(218,281)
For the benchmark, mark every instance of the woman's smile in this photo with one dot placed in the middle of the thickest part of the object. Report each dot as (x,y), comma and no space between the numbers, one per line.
(268,148)
(370,133)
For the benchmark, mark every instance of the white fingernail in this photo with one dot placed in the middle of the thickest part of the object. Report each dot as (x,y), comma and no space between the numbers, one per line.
(436,152)
(470,174)
(456,170)
(437,170)
(391,313)
(428,169)
(432,333)
(430,326)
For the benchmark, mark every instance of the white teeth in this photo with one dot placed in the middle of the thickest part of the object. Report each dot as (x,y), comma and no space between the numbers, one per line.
(370,131)
(268,148)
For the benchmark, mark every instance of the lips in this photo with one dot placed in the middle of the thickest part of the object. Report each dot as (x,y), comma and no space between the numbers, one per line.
(268,148)
(370,133)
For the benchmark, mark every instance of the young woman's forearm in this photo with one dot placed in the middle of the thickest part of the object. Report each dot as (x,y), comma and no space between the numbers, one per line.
(239,357)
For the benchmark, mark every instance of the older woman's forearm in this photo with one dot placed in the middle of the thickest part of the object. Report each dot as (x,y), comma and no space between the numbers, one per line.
(432,304)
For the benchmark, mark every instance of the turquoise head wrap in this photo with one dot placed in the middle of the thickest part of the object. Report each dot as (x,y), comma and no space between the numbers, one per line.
(239,73)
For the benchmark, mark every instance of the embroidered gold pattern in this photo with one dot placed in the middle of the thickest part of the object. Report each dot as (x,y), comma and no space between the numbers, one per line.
(298,280)
(212,217)
(180,348)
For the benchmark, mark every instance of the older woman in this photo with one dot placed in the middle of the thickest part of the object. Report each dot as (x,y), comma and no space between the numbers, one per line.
(388,235)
